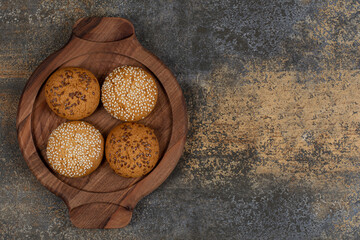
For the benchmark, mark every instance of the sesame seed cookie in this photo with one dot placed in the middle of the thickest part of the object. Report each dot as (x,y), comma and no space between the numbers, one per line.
(132,150)
(129,93)
(75,149)
(72,93)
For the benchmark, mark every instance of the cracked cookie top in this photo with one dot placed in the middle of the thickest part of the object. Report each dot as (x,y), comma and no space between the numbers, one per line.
(72,93)
(132,149)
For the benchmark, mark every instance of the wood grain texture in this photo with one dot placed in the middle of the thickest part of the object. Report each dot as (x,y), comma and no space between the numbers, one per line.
(102,199)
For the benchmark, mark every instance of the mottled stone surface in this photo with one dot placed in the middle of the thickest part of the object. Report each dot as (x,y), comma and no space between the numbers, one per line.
(273,96)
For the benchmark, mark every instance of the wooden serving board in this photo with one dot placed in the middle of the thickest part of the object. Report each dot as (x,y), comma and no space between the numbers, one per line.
(102,199)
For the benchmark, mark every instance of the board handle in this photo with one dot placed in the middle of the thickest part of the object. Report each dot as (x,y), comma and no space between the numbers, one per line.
(103,29)
(96,215)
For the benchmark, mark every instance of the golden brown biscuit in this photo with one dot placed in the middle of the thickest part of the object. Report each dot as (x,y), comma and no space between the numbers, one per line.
(132,150)
(129,93)
(75,149)
(72,93)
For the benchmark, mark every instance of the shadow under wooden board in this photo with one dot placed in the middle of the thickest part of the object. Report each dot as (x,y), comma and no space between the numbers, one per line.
(102,199)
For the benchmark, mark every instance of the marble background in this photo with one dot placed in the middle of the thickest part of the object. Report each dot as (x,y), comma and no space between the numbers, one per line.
(273,98)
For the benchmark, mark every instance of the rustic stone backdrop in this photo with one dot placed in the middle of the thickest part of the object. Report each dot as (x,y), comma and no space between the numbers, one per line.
(273,97)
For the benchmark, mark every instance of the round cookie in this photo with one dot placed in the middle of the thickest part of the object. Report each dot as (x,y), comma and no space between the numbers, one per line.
(129,93)
(132,150)
(72,93)
(75,149)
